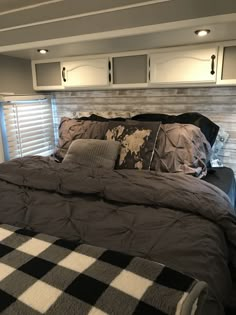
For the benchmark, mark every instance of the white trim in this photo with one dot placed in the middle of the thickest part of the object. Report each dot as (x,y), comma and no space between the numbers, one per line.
(15,98)
(1,148)
(182,84)
(34,79)
(220,64)
(29,7)
(76,16)
(129,85)
(122,32)
(48,88)
(6,93)
(228,82)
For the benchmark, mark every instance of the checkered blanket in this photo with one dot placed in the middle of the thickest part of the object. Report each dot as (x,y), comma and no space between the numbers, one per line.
(42,274)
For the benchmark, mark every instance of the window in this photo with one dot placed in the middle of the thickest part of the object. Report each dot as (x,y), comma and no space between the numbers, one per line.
(27,127)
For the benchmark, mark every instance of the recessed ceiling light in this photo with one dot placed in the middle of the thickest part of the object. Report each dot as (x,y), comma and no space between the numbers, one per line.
(42,51)
(202,33)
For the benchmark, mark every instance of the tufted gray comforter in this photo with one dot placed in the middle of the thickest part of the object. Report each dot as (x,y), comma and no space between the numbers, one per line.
(174,219)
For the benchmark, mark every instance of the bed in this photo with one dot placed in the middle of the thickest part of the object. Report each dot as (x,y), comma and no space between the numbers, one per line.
(223,178)
(179,222)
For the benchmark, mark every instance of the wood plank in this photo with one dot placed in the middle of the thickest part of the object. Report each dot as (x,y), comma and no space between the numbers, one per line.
(155,92)
(174,100)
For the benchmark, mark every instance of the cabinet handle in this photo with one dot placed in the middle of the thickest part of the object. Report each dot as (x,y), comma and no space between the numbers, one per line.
(63,73)
(213,57)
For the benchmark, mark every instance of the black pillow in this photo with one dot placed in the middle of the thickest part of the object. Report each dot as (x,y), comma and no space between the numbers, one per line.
(100,118)
(208,127)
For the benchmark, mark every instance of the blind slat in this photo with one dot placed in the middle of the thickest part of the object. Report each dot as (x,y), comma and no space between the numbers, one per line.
(29,128)
(28,131)
(31,138)
(30,144)
(22,125)
(12,119)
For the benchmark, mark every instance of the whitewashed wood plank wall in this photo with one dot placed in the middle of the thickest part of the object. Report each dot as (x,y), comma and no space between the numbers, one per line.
(217,103)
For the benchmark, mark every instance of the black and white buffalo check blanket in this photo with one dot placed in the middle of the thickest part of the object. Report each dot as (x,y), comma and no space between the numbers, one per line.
(42,274)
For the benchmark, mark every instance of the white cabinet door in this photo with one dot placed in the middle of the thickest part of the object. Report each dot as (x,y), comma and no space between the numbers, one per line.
(89,72)
(186,66)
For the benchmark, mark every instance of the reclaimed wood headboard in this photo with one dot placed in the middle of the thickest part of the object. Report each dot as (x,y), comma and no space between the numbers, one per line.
(217,103)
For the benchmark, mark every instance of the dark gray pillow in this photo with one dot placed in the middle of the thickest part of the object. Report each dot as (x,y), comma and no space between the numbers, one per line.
(137,140)
(208,127)
(93,153)
(181,148)
(72,129)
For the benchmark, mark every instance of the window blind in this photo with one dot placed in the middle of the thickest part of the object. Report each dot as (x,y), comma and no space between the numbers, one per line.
(28,128)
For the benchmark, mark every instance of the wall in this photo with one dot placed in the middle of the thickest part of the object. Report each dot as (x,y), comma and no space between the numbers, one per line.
(16,76)
(217,103)
(1,149)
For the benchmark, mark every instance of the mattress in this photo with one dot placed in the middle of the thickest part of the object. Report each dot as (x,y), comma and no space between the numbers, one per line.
(223,178)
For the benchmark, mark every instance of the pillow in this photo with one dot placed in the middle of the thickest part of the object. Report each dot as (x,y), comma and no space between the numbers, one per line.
(181,148)
(208,127)
(93,153)
(106,114)
(137,142)
(217,148)
(71,129)
(95,117)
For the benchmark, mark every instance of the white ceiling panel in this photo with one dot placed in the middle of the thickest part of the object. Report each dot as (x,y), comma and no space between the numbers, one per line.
(79,27)
(59,10)
(104,22)
(11,6)
(177,37)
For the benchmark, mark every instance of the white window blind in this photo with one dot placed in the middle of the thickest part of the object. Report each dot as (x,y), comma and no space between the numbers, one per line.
(28,128)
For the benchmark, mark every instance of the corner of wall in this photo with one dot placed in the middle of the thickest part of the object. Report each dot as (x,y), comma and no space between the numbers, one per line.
(16,75)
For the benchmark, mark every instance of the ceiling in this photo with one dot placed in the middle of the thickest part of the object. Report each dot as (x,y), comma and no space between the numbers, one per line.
(10,6)
(73,27)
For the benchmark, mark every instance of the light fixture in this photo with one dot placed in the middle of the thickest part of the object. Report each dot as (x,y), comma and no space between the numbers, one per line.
(202,33)
(42,51)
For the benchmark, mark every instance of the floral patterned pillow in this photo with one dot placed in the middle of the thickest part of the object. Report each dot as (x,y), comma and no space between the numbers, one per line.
(217,149)
(137,140)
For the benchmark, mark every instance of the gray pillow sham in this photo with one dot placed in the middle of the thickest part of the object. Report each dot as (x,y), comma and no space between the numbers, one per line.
(93,153)
(72,129)
(181,148)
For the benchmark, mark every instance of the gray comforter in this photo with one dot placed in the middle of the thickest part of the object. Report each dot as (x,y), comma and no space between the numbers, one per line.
(173,219)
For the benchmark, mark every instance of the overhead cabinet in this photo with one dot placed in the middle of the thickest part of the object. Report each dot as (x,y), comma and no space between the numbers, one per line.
(184,66)
(87,72)
(73,73)
(204,65)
